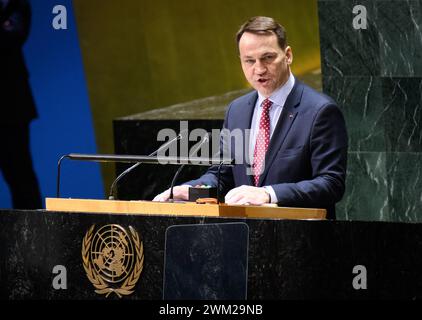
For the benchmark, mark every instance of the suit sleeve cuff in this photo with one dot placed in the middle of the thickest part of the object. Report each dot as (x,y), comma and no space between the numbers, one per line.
(271,191)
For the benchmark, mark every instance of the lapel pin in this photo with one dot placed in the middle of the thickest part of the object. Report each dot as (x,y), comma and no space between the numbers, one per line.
(290,116)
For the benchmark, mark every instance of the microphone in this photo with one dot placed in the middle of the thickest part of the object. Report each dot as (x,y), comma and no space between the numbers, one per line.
(152,159)
(205,138)
(135,159)
(113,193)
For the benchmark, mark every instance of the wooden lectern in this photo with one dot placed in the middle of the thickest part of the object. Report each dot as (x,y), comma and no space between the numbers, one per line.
(182,209)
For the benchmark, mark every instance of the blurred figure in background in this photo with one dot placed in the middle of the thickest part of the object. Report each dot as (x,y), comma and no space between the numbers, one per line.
(17,107)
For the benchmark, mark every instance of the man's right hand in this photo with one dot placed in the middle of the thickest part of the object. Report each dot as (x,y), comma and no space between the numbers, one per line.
(179,193)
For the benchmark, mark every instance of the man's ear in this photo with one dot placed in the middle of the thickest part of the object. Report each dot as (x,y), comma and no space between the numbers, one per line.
(289,55)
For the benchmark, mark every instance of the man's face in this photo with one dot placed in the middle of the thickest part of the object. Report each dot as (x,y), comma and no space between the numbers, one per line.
(264,63)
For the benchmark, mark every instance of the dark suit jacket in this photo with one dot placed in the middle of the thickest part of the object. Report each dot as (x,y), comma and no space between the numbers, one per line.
(307,156)
(16,101)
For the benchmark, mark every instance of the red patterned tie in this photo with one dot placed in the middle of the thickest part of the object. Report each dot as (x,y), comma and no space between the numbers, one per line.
(262,140)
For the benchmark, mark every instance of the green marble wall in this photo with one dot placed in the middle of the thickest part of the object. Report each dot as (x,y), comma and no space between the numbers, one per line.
(376,77)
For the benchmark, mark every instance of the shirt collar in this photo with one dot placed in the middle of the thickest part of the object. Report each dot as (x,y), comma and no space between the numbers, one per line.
(279,96)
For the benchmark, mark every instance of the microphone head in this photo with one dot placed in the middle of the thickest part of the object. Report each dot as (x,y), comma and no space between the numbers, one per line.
(182,134)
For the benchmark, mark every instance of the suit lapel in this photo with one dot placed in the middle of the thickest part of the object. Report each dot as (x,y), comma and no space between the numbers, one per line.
(283,126)
(245,122)
(244,125)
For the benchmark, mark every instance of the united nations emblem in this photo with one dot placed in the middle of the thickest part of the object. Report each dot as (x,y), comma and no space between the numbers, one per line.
(113,259)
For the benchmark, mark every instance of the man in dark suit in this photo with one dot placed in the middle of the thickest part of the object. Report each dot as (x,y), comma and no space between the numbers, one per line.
(17,106)
(297,138)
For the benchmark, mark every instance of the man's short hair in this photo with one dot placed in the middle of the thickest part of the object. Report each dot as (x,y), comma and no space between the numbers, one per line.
(264,25)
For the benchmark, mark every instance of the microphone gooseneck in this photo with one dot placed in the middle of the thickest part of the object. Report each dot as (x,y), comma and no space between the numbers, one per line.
(113,193)
(153,158)
(218,181)
(171,196)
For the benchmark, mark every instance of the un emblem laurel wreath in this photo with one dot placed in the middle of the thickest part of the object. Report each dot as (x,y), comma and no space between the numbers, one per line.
(102,287)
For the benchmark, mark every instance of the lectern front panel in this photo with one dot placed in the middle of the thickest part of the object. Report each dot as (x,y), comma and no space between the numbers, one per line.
(206,262)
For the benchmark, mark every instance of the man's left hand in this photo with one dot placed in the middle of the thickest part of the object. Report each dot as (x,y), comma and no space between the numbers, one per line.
(245,195)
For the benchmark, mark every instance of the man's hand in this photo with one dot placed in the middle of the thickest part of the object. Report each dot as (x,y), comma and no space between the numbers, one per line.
(247,195)
(179,193)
